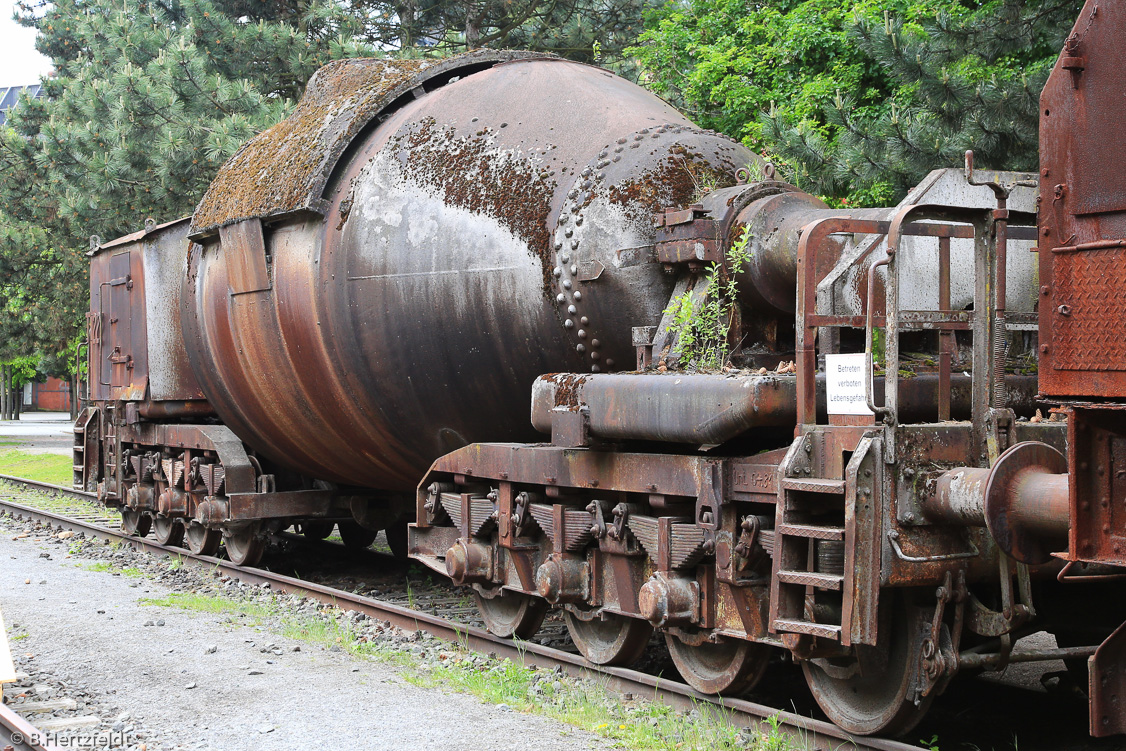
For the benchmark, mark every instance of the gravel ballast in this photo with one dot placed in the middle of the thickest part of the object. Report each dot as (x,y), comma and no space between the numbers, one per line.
(169,678)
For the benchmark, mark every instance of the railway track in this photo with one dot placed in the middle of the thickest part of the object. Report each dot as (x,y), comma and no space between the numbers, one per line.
(804,731)
(18,734)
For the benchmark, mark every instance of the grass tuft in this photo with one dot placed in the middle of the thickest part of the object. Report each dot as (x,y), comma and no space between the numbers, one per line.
(209,604)
(53,468)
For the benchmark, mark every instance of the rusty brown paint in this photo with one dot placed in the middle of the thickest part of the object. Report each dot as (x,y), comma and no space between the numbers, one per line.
(429,270)
(471,173)
(1081,219)
(134,325)
(285,168)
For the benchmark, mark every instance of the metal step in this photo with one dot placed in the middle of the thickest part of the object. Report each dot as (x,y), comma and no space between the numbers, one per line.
(823,630)
(811,579)
(810,531)
(813,485)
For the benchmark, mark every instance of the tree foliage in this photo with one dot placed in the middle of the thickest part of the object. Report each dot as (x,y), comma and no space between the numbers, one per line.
(583,30)
(150,97)
(859,99)
(148,100)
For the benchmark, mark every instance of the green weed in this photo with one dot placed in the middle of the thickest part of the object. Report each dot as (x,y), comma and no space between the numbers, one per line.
(701,322)
(209,604)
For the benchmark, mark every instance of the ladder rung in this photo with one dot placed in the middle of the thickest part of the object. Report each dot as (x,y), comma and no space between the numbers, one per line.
(811,531)
(814,485)
(811,579)
(79,467)
(79,448)
(823,630)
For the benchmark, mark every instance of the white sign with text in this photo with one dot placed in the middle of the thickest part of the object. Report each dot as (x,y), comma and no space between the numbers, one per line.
(844,384)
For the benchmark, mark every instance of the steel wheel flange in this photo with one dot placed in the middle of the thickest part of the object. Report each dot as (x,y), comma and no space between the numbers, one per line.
(397,540)
(135,522)
(168,531)
(507,613)
(728,666)
(202,540)
(356,536)
(609,638)
(877,697)
(245,546)
(317,530)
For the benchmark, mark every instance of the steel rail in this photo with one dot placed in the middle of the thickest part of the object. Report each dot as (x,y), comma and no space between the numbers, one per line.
(20,735)
(805,732)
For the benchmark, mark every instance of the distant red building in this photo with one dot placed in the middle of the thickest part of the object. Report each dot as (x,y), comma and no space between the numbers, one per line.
(53,395)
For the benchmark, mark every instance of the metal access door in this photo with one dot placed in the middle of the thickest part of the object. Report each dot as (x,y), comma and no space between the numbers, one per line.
(119,331)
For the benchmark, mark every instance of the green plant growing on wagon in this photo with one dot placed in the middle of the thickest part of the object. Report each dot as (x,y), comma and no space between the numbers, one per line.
(701,327)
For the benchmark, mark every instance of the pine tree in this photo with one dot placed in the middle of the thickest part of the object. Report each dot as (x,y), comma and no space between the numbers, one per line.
(968,81)
(858,100)
(149,100)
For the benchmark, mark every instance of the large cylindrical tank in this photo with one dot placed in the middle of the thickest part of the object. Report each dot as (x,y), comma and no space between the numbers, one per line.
(491,224)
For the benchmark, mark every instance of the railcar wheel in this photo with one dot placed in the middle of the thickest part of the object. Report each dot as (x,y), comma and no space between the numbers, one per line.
(611,639)
(397,540)
(246,546)
(202,540)
(869,696)
(168,531)
(356,536)
(508,613)
(135,522)
(729,666)
(317,530)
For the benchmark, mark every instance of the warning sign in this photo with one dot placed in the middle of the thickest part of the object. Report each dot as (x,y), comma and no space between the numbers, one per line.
(844,384)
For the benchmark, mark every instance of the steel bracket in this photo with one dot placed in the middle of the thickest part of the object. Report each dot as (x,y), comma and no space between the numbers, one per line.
(1107,671)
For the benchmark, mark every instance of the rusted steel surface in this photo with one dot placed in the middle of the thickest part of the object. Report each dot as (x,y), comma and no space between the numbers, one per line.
(665,474)
(706,409)
(1107,686)
(769,276)
(475,230)
(1027,502)
(239,474)
(1082,224)
(1023,499)
(286,168)
(1097,460)
(959,497)
(134,327)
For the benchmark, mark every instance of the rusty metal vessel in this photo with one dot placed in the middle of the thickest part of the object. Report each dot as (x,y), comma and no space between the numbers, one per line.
(465,241)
